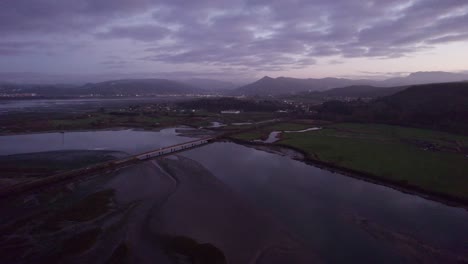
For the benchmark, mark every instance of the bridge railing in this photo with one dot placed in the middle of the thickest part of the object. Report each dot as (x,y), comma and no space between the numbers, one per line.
(174,148)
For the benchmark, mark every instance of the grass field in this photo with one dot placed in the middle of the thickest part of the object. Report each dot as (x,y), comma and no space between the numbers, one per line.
(434,161)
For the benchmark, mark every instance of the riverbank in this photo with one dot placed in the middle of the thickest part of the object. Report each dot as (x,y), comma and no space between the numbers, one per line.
(150,210)
(88,122)
(323,149)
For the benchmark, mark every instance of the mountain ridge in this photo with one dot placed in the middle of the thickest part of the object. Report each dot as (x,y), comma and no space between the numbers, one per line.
(263,87)
(122,87)
(287,85)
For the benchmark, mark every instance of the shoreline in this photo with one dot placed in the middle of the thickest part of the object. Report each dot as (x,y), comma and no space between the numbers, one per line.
(112,128)
(156,129)
(443,198)
(278,148)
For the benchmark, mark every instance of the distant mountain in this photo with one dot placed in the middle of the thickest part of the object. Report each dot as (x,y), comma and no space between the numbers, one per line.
(130,87)
(347,93)
(39,89)
(263,87)
(284,85)
(266,86)
(425,78)
(210,84)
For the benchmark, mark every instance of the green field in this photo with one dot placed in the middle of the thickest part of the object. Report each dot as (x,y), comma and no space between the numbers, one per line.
(433,161)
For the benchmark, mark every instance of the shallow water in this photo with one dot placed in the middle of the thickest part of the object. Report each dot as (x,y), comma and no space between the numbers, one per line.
(304,130)
(341,217)
(272,137)
(216,125)
(241,124)
(129,141)
(275,135)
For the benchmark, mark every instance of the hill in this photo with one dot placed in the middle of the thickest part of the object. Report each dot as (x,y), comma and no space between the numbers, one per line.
(362,91)
(436,105)
(437,95)
(426,78)
(130,87)
(441,106)
(283,85)
(365,92)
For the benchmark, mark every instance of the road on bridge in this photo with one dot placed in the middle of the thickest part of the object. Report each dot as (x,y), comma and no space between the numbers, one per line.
(102,167)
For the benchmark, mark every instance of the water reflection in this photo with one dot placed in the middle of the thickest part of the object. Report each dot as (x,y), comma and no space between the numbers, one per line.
(129,141)
(338,215)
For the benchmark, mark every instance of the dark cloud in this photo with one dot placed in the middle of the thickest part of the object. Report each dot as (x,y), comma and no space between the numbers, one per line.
(51,16)
(12,48)
(255,34)
(136,32)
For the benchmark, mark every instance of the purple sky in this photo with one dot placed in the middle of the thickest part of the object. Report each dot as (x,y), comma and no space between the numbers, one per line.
(233,40)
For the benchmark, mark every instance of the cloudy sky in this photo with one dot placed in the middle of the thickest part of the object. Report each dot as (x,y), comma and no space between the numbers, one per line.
(235,39)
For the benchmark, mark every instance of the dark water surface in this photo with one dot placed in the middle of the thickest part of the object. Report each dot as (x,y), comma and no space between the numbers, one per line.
(75,105)
(344,218)
(129,141)
(341,218)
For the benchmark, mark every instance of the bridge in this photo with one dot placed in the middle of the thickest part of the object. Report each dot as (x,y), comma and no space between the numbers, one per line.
(103,167)
(175,148)
(110,166)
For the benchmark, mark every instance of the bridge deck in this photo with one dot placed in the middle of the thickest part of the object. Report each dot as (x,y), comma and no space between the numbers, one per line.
(102,167)
(174,148)
(110,165)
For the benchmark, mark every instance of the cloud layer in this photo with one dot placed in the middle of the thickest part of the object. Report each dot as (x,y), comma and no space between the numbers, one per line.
(266,35)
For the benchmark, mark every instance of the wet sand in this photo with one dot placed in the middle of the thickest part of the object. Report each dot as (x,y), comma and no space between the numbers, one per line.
(171,210)
(178,199)
(204,209)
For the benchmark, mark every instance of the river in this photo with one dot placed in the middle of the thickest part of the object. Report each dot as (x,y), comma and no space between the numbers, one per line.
(76,105)
(342,219)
